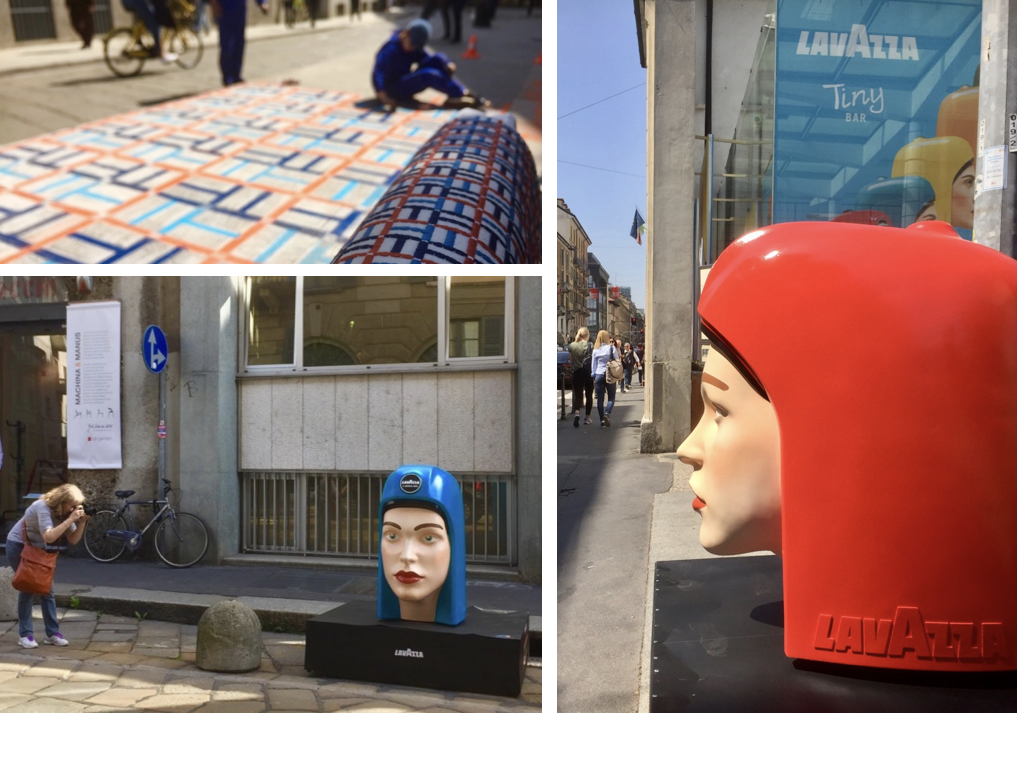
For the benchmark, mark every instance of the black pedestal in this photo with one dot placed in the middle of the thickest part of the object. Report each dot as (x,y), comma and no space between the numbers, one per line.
(717,647)
(485,654)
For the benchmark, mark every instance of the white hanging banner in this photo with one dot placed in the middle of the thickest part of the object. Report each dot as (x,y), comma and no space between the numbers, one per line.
(94,385)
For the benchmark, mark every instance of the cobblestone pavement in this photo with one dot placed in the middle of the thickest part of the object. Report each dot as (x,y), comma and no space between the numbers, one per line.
(119,664)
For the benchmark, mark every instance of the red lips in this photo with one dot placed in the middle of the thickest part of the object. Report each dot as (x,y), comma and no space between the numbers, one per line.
(698,504)
(408,577)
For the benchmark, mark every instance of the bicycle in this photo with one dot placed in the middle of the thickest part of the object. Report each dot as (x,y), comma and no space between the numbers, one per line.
(126,49)
(181,538)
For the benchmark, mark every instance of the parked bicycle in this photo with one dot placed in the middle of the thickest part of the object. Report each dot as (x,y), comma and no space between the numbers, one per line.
(181,538)
(126,49)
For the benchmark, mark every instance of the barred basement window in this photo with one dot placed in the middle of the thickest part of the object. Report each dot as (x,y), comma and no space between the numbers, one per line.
(328,514)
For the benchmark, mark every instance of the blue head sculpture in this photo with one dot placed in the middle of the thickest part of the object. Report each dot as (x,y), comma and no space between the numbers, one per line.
(418,498)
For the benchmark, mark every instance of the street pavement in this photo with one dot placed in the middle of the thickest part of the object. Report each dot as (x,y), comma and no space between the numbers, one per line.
(132,640)
(134,664)
(606,493)
(52,86)
(619,512)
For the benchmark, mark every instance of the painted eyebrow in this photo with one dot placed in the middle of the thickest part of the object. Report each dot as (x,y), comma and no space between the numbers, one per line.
(428,525)
(707,377)
(388,522)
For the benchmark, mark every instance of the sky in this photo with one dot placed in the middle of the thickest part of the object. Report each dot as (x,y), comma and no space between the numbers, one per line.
(597,58)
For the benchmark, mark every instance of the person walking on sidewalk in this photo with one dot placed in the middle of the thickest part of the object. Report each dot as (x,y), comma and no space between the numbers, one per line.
(640,363)
(580,353)
(603,353)
(64,505)
(80,12)
(629,361)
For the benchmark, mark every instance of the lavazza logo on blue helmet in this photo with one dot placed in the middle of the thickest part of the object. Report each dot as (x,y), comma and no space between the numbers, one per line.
(410,483)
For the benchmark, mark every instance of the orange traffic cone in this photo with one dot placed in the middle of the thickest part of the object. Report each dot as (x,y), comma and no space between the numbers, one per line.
(471,50)
(537,60)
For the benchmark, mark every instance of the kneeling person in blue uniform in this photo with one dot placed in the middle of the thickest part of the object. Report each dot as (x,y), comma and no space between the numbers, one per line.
(395,79)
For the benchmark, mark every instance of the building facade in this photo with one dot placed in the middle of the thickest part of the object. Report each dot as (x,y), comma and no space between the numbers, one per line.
(289,401)
(573,274)
(867,111)
(597,302)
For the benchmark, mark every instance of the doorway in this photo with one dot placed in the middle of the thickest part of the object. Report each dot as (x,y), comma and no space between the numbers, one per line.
(33,410)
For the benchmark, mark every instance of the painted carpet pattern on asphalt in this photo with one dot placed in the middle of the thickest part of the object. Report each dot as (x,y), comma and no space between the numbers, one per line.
(470,195)
(250,174)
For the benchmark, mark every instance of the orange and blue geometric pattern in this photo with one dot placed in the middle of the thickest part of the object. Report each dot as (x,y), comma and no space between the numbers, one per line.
(250,174)
(469,196)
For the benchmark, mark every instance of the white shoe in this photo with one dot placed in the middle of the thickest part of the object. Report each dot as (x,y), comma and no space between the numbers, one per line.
(28,642)
(169,58)
(56,639)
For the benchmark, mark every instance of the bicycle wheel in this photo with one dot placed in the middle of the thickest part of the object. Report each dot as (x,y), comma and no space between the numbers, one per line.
(123,52)
(98,544)
(188,45)
(181,540)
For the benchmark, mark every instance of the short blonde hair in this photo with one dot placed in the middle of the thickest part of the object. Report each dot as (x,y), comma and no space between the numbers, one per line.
(583,334)
(56,499)
(603,337)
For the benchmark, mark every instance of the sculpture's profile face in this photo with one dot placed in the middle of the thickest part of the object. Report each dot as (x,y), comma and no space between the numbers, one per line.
(415,553)
(962,199)
(735,454)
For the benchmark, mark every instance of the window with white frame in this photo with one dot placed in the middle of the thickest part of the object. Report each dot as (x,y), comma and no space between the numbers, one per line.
(340,324)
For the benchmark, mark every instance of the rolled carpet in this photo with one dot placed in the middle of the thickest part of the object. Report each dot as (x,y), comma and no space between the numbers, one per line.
(470,195)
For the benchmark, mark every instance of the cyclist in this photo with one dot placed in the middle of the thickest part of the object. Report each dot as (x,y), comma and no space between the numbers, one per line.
(146,11)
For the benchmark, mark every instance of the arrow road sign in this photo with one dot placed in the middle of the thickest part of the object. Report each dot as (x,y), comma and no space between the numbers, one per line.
(154,348)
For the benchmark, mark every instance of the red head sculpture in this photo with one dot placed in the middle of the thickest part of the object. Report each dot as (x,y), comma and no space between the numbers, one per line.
(889,357)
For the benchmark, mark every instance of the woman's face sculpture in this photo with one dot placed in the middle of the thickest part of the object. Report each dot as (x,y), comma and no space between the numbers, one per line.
(416,554)
(735,453)
(962,199)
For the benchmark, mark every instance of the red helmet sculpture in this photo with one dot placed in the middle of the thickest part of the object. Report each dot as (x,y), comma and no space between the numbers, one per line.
(889,357)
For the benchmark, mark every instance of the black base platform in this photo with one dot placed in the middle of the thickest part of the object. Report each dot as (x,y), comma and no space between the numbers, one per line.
(485,654)
(717,647)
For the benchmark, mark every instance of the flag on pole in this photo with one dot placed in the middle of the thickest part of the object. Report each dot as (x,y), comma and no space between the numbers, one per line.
(638,228)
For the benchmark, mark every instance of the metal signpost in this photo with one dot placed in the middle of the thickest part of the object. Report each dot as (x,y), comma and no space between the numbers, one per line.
(154,352)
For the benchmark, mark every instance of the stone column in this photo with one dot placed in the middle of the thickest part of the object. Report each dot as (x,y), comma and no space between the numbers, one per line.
(208,408)
(995,211)
(670,50)
(529,311)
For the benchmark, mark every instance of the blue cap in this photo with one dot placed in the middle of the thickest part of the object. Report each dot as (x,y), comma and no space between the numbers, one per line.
(433,488)
(419,32)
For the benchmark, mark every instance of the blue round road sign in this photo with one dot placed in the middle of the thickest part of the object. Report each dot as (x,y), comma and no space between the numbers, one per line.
(154,349)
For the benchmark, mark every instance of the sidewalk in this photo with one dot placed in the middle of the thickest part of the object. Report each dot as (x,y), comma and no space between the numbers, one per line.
(132,633)
(121,664)
(37,56)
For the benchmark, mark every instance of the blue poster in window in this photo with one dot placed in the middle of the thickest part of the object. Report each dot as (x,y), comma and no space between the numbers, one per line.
(876,112)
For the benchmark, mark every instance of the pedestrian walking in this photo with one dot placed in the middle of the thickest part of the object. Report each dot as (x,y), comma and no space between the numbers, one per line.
(230,16)
(55,515)
(394,79)
(629,362)
(81,12)
(604,353)
(640,363)
(580,353)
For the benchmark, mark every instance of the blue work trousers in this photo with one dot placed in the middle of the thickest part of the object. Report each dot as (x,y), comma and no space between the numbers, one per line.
(232,39)
(431,73)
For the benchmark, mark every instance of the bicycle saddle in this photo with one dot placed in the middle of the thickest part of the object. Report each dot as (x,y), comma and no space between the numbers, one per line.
(124,494)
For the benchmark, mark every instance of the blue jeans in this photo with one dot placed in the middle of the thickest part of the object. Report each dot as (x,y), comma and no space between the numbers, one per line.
(627,380)
(144,10)
(232,40)
(603,388)
(25,600)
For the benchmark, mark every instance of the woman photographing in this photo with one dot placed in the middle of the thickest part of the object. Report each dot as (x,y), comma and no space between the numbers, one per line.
(55,514)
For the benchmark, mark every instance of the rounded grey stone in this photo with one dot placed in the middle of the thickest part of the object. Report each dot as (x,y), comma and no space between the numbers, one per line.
(8,596)
(229,638)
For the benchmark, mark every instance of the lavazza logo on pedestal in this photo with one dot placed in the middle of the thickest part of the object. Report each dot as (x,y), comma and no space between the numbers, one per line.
(409,652)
